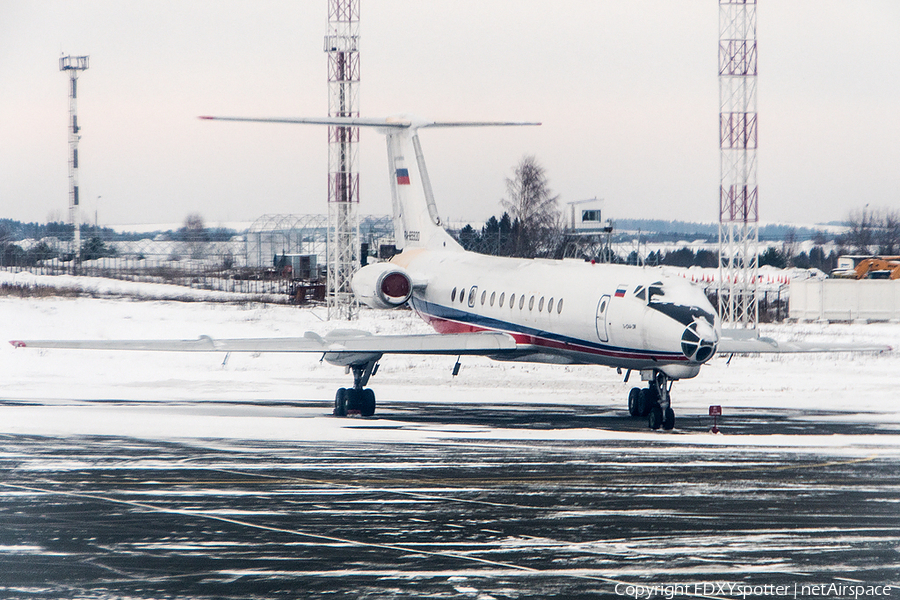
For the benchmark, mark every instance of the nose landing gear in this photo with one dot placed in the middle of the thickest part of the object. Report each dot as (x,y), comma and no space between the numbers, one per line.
(653,402)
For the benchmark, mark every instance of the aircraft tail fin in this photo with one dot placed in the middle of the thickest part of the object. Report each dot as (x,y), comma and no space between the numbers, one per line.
(417,223)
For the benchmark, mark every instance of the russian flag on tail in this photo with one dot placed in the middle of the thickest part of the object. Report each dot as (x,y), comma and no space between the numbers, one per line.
(402,176)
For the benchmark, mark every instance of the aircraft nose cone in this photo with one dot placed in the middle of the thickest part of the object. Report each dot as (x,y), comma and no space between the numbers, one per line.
(699,340)
(707,332)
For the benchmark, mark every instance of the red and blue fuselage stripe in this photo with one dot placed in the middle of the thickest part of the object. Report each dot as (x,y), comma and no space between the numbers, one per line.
(446,319)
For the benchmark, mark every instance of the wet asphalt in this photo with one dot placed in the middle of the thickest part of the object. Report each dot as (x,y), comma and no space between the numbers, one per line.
(108,517)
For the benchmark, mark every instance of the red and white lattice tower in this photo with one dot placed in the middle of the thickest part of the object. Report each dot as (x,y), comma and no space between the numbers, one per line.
(73,65)
(342,47)
(738,195)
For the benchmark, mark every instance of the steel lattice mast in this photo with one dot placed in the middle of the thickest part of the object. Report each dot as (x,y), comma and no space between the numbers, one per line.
(738,194)
(74,64)
(342,46)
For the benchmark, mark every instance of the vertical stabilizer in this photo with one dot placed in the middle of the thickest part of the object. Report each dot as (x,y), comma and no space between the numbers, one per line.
(416,221)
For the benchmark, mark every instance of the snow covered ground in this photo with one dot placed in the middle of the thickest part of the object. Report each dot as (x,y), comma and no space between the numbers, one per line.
(118,288)
(250,396)
(265,490)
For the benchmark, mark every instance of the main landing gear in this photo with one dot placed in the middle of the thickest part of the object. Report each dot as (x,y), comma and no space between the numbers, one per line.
(653,402)
(359,399)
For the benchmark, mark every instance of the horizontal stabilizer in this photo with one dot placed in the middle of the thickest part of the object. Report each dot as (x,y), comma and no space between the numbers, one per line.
(386,123)
(339,121)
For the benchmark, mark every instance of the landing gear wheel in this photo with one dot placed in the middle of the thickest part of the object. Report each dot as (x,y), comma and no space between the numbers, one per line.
(645,401)
(668,419)
(354,400)
(367,403)
(340,403)
(633,397)
(656,417)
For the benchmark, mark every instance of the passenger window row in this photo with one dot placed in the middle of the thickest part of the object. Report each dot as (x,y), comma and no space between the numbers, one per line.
(501,301)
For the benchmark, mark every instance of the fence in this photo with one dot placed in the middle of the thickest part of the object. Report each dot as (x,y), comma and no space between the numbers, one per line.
(244,264)
(845,300)
(219,266)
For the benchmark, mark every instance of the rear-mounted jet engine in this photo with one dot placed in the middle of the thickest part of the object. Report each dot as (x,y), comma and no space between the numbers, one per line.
(382,285)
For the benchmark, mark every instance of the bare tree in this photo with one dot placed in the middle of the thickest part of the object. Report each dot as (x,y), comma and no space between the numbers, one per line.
(861,235)
(6,234)
(533,209)
(194,235)
(889,233)
(874,231)
(789,246)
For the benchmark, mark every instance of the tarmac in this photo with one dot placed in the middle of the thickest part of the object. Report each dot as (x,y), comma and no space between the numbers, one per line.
(119,517)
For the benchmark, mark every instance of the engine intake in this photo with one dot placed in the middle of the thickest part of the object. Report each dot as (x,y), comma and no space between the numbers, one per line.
(382,285)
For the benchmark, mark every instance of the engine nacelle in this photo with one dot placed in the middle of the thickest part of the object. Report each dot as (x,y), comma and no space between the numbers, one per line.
(382,285)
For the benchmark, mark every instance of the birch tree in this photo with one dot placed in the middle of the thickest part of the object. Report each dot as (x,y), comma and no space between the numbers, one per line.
(533,209)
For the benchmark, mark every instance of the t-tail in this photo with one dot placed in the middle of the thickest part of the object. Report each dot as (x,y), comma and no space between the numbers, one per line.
(417,223)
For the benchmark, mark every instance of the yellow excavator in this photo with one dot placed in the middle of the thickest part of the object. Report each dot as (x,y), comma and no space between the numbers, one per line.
(884,267)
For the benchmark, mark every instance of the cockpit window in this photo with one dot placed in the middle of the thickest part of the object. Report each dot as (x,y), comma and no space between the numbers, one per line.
(641,293)
(656,290)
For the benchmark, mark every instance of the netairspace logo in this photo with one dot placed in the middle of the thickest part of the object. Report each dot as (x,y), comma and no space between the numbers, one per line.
(744,590)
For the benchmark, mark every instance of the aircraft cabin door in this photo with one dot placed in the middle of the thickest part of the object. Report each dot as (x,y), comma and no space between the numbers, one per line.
(602,307)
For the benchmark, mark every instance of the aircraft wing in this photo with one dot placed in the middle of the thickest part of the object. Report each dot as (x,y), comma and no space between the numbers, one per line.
(754,345)
(336,342)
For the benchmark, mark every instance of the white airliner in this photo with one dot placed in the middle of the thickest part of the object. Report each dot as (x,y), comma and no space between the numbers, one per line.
(549,311)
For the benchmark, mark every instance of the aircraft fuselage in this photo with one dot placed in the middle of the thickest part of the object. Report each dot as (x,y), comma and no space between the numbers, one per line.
(567,312)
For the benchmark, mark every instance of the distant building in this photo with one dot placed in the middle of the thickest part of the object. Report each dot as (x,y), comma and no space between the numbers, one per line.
(586,216)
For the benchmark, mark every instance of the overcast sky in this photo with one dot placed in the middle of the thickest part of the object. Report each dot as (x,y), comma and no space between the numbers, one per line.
(627,91)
